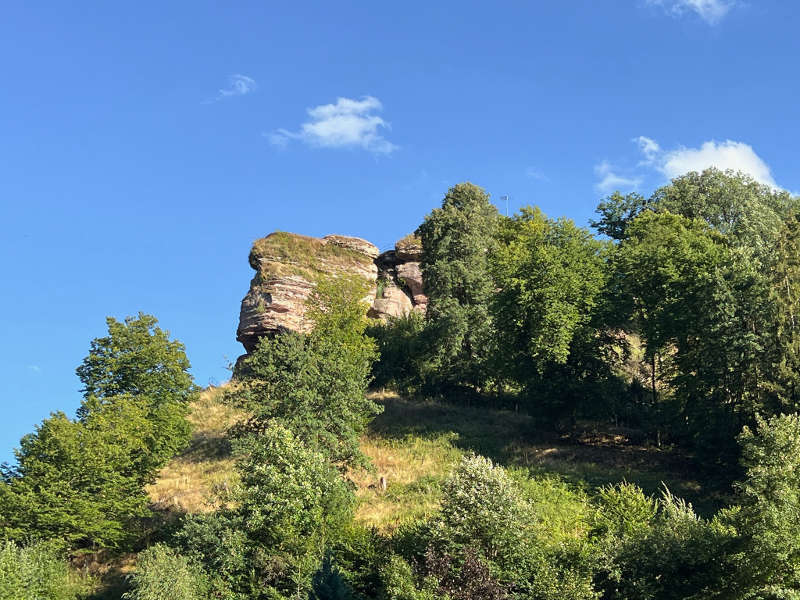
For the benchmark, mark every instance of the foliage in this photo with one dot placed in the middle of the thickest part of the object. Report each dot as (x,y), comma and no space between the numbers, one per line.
(399,343)
(675,556)
(37,572)
(616,213)
(79,481)
(291,498)
(83,481)
(163,574)
(550,276)
(137,358)
(290,502)
(457,240)
(748,213)
(400,583)
(315,384)
(769,557)
(704,316)
(486,523)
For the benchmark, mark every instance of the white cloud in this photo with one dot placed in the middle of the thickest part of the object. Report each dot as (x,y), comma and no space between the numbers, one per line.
(535,173)
(347,124)
(611,180)
(736,156)
(728,155)
(711,11)
(238,85)
(34,369)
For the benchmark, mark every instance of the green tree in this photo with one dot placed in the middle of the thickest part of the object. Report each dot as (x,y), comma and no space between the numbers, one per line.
(79,481)
(83,481)
(767,561)
(316,384)
(457,240)
(616,213)
(550,277)
(699,305)
(137,358)
(748,213)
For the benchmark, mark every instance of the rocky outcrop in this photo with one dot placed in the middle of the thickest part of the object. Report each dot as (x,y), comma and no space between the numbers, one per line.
(399,289)
(287,266)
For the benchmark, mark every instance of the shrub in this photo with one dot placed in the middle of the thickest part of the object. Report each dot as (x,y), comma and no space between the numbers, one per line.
(37,572)
(678,556)
(482,507)
(400,343)
(399,583)
(163,574)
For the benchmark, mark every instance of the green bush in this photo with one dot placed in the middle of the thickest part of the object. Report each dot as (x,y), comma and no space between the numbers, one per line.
(400,343)
(37,572)
(487,527)
(678,555)
(399,582)
(163,574)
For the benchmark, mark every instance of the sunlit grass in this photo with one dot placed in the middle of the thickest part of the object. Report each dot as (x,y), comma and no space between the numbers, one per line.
(186,482)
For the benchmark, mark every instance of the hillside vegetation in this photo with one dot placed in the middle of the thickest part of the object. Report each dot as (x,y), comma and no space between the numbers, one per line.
(574,417)
(415,444)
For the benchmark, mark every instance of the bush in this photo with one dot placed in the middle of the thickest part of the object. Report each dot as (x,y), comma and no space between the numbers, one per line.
(37,572)
(489,531)
(399,583)
(482,507)
(401,345)
(163,574)
(678,555)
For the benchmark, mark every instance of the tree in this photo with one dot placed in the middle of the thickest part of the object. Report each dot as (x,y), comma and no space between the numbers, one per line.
(616,213)
(703,310)
(316,383)
(549,277)
(79,481)
(457,240)
(767,561)
(748,213)
(83,481)
(137,358)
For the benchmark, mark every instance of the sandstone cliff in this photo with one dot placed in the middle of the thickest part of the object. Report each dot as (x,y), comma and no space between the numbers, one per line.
(288,264)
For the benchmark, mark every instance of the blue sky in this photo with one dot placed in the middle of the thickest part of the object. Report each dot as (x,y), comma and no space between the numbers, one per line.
(144,146)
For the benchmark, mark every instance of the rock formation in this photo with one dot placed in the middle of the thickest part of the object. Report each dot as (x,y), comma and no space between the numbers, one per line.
(287,265)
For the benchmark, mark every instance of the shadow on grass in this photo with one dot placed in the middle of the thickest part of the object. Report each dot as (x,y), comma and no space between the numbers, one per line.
(588,457)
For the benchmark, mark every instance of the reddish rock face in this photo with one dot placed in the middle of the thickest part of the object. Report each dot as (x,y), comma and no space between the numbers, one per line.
(286,265)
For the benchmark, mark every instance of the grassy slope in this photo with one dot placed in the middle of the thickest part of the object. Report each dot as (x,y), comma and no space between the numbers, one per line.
(414,445)
(186,483)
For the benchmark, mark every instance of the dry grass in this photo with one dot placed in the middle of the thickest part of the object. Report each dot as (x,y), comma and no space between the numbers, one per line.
(413,469)
(186,482)
(415,444)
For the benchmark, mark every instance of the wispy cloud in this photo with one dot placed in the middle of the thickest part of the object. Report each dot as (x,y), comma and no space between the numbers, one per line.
(346,124)
(35,369)
(238,85)
(611,179)
(711,11)
(534,173)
